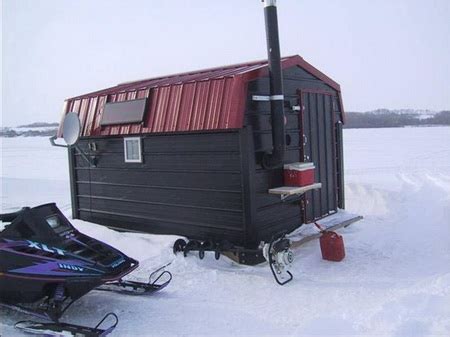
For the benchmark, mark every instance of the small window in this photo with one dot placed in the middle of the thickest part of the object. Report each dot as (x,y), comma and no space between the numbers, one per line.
(132,148)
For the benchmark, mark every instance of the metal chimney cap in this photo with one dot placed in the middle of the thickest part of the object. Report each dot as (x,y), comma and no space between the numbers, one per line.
(268,3)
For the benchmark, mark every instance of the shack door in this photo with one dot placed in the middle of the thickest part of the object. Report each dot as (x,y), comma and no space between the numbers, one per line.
(319,147)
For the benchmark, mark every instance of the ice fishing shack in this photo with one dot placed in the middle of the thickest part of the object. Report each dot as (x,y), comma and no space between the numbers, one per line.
(239,153)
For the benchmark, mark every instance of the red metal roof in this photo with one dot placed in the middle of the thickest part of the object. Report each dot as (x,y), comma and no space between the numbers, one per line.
(209,99)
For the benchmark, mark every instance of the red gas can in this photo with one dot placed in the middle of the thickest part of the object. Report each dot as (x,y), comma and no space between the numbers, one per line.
(332,246)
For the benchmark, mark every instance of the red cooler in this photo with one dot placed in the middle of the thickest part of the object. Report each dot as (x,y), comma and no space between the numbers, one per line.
(299,174)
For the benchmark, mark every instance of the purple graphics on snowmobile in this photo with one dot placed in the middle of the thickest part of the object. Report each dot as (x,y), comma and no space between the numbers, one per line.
(40,249)
(46,265)
(59,263)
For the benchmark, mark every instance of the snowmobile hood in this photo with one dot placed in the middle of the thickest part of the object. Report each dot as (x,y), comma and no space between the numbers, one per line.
(41,243)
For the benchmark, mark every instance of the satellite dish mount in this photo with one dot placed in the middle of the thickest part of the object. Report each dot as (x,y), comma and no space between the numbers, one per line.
(71,135)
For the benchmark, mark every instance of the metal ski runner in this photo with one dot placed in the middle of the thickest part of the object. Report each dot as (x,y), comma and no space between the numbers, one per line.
(139,288)
(66,329)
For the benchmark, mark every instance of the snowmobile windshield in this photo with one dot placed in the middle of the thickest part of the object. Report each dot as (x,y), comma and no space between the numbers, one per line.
(45,222)
(57,224)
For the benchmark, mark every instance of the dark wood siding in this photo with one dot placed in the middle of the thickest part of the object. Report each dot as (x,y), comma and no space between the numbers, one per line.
(188,184)
(320,148)
(316,121)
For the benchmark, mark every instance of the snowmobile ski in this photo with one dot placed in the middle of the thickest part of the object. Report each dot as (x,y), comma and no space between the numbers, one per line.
(66,329)
(39,313)
(139,288)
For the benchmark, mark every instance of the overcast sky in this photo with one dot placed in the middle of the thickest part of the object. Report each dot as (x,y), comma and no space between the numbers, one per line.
(390,53)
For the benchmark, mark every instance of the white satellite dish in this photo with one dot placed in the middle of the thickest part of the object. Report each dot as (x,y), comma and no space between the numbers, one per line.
(71,128)
(71,135)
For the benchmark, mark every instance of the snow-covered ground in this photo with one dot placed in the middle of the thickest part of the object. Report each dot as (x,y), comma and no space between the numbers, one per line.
(394,281)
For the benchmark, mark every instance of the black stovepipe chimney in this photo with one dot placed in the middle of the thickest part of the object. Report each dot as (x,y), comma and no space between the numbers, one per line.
(276,157)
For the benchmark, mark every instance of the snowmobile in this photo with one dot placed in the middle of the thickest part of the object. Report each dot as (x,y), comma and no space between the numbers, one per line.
(46,265)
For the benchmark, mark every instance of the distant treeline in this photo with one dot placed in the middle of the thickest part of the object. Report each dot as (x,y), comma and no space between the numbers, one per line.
(388,119)
(8,133)
(381,118)
(35,129)
(39,125)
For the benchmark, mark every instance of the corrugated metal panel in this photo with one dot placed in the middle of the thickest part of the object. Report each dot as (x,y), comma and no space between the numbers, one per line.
(215,104)
(186,105)
(90,116)
(159,110)
(211,99)
(200,104)
(173,108)
(98,113)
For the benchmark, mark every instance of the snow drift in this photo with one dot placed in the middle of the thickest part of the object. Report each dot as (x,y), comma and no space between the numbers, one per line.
(394,281)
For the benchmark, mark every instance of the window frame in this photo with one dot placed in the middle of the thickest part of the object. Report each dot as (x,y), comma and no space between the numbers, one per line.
(125,152)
